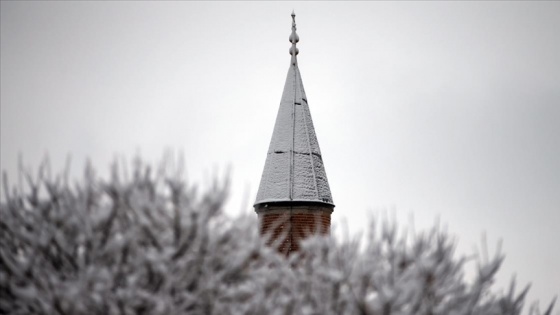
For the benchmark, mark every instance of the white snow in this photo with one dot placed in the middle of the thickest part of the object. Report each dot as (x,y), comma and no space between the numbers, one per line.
(294,168)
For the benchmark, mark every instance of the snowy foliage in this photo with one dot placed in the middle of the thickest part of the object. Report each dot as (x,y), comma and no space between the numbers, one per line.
(150,244)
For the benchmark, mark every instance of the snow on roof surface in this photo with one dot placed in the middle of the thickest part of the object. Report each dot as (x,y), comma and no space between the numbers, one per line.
(294,168)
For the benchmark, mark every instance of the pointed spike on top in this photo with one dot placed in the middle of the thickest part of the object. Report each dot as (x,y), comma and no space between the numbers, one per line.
(294,35)
(294,38)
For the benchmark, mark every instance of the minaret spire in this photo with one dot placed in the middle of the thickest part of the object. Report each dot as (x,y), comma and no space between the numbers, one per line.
(294,170)
(294,198)
(294,38)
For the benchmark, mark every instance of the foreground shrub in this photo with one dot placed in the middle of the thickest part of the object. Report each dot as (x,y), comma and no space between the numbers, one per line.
(150,244)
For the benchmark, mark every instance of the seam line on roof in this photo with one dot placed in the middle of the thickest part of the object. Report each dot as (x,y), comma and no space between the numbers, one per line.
(296,152)
(309,144)
(293,120)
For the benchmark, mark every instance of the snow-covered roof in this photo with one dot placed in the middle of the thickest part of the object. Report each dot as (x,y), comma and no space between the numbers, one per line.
(294,169)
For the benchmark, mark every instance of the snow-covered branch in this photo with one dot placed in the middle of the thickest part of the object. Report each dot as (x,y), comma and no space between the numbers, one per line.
(150,244)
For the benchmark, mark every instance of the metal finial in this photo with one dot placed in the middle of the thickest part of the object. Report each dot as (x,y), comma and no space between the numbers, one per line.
(294,38)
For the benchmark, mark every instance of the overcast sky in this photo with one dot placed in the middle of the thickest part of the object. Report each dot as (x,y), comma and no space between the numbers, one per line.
(423,109)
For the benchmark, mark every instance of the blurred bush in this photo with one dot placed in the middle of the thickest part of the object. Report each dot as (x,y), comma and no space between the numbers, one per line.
(149,243)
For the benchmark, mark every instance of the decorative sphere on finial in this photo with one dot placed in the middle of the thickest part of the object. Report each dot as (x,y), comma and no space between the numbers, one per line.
(294,38)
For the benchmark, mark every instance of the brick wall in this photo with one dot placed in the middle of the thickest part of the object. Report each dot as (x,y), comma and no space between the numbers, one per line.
(288,225)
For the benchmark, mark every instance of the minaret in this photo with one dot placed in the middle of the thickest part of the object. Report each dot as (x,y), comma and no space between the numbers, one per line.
(294,198)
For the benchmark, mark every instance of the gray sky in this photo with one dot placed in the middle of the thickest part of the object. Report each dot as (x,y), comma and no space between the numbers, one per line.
(424,109)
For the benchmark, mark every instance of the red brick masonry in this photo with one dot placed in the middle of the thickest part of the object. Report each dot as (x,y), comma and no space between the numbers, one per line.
(287,225)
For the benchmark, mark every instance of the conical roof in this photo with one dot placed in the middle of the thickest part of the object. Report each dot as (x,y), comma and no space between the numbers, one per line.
(294,169)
